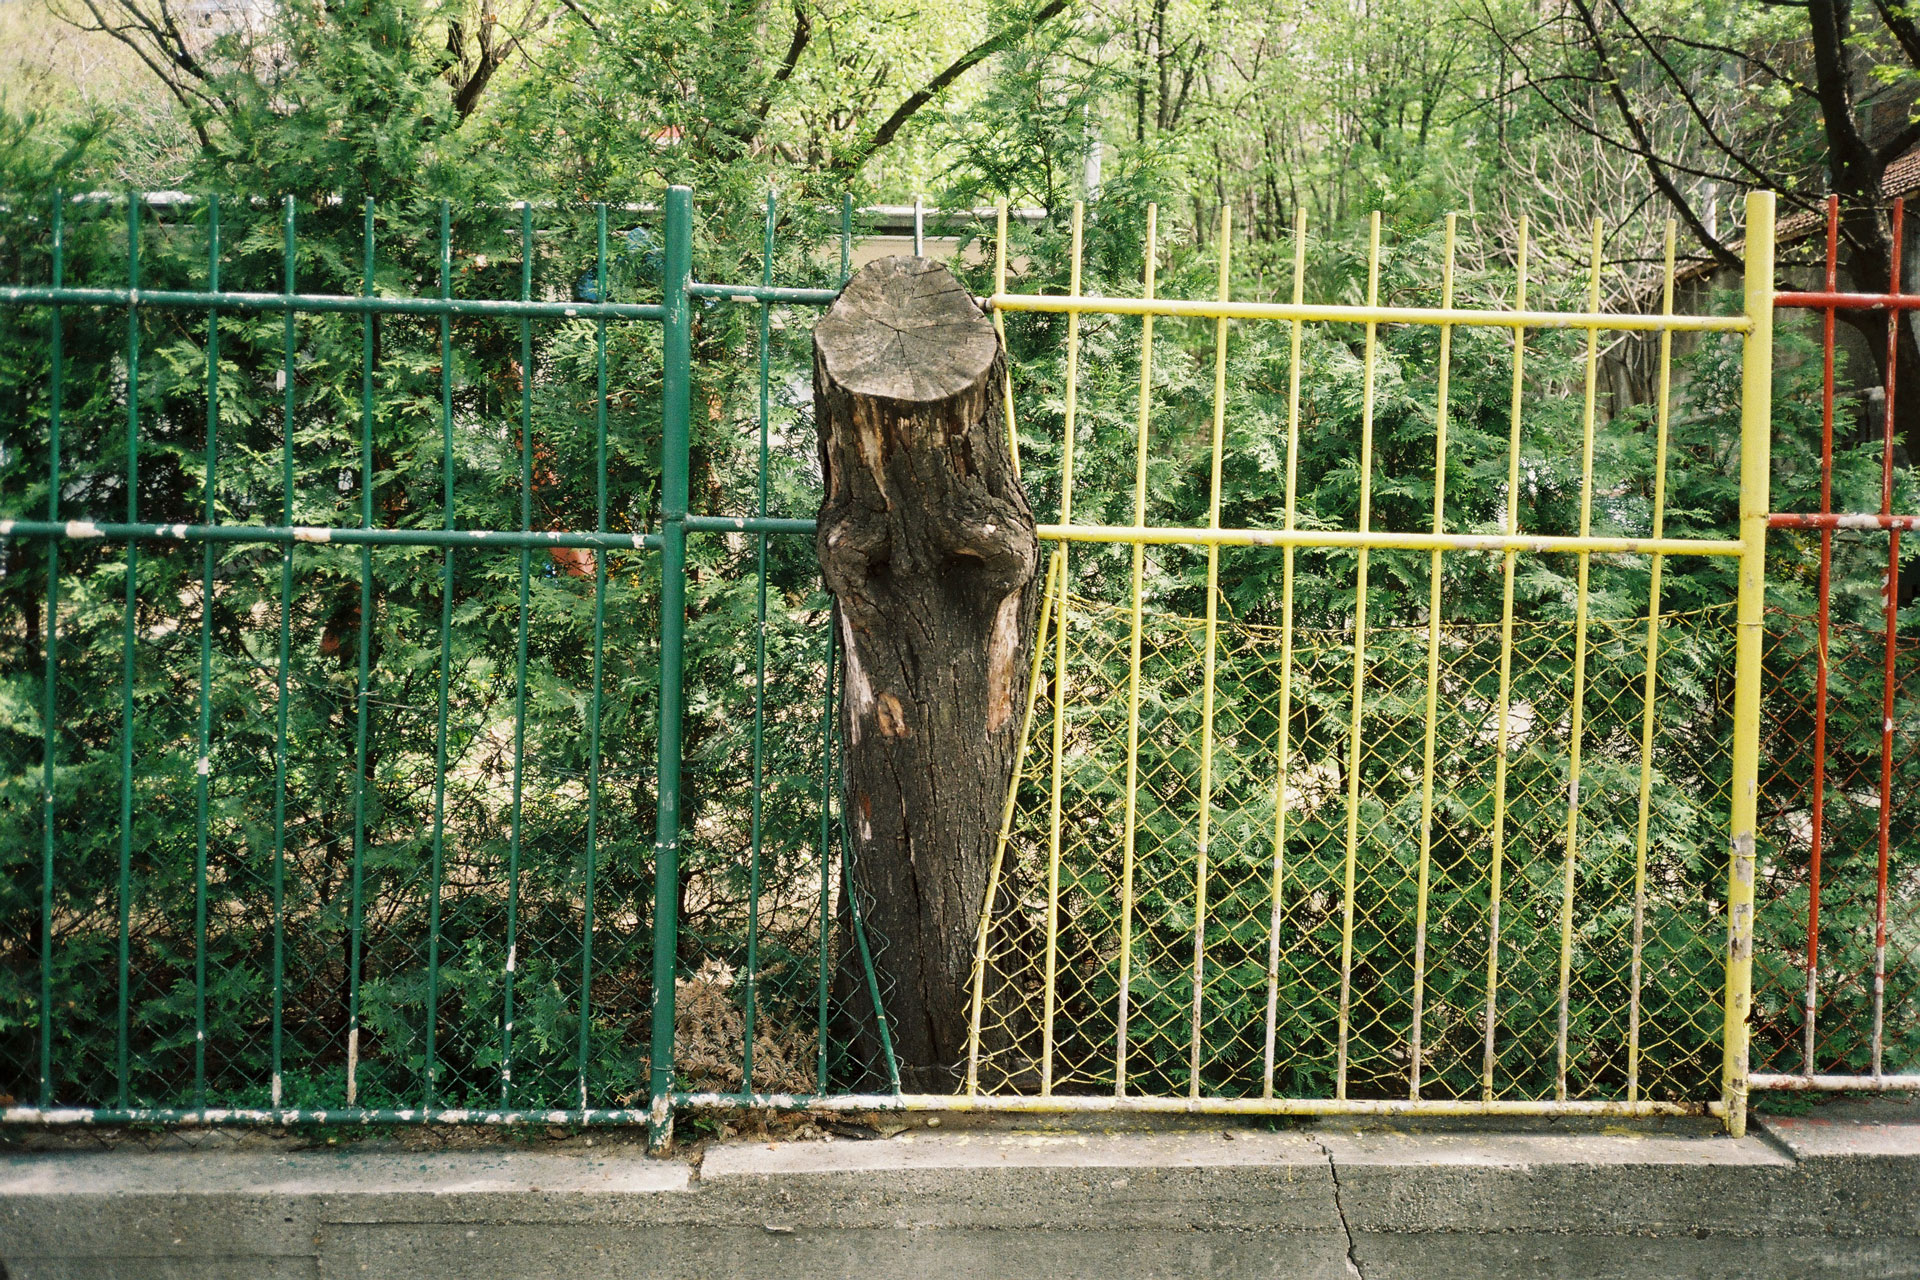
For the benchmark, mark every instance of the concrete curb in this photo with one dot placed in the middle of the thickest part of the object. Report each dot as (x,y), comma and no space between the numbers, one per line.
(1834,1195)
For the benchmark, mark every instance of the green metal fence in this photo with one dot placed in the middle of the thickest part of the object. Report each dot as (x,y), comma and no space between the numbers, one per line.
(328,492)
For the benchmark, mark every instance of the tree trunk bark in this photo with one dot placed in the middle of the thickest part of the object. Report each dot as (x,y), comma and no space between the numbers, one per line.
(927,542)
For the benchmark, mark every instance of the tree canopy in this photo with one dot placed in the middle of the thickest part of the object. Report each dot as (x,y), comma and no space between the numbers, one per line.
(1630,111)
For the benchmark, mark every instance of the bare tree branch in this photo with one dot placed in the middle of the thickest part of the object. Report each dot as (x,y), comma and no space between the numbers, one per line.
(1733,153)
(163,59)
(802,37)
(1708,46)
(1856,170)
(600,34)
(1657,169)
(1606,139)
(958,67)
(471,84)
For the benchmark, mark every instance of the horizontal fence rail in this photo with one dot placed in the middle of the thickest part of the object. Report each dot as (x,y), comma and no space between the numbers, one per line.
(1222,309)
(324,304)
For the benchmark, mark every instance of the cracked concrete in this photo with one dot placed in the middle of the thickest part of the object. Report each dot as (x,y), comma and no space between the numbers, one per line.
(1340,1207)
(1832,1195)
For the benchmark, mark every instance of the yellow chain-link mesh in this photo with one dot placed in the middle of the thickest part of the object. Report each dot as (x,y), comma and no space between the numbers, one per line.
(1449,865)
(1279,964)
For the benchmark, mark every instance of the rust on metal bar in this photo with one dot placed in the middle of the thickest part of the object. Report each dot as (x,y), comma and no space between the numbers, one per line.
(1828,520)
(1829,300)
(1887,678)
(1811,1014)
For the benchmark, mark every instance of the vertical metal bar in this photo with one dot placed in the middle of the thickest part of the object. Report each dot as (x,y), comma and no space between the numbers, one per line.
(56,360)
(826,852)
(355,906)
(286,651)
(1577,719)
(203,763)
(1000,327)
(1129,827)
(1283,761)
(599,657)
(1359,666)
(1033,687)
(1895,287)
(1049,996)
(129,622)
(1662,415)
(1756,414)
(1817,841)
(431,1080)
(1433,675)
(1006,829)
(676,419)
(919,228)
(847,886)
(519,661)
(1207,677)
(765,326)
(846,236)
(1506,672)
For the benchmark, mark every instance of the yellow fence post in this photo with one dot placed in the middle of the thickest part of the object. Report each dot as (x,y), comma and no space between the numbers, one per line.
(1286,652)
(1359,666)
(1130,828)
(1578,705)
(1756,418)
(1662,420)
(1213,636)
(1414,1049)
(1506,674)
(1061,583)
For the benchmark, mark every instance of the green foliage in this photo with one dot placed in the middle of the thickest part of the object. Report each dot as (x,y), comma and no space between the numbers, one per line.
(361,110)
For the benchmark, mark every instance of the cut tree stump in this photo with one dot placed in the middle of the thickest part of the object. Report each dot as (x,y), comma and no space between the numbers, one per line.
(927,542)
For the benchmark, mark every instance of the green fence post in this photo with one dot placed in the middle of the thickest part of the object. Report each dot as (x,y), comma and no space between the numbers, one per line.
(757,828)
(290,400)
(676,415)
(599,655)
(355,913)
(203,766)
(56,361)
(130,622)
(431,1079)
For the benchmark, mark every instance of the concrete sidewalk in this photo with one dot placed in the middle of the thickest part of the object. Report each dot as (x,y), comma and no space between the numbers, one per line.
(1833,1194)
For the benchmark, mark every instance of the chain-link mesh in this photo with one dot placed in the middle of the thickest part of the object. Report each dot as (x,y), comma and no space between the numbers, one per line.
(1843,992)
(1271,960)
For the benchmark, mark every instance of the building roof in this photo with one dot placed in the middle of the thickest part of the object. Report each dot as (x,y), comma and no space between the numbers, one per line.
(1902,178)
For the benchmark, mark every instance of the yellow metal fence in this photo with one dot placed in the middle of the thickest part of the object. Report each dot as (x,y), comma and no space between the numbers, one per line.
(1392,869)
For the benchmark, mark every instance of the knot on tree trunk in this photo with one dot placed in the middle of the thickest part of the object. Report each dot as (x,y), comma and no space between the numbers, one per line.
(927,542)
